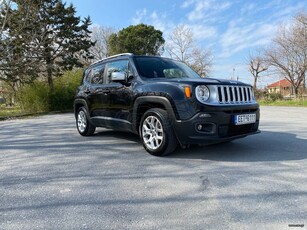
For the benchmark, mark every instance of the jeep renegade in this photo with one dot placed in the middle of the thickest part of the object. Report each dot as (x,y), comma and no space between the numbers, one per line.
(163,101)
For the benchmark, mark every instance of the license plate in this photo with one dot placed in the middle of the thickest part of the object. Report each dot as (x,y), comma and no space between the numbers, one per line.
(243,119)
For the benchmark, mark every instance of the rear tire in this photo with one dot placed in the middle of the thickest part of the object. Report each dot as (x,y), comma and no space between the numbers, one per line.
(85,128)
(156,132)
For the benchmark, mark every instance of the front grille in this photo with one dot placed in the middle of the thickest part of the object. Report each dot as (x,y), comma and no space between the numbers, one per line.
(227,94)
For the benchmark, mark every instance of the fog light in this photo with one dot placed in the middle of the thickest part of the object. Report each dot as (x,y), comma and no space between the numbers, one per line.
(208,128)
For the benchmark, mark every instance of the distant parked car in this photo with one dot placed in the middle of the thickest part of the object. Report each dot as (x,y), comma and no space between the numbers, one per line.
(2,100)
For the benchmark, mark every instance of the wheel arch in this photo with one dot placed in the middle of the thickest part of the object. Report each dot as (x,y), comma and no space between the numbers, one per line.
(144,103)
(78,103)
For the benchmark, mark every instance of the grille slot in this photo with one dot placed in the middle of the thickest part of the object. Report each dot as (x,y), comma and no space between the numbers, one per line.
(234,94)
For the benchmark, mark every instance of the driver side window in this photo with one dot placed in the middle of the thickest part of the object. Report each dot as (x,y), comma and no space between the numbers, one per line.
(116,66)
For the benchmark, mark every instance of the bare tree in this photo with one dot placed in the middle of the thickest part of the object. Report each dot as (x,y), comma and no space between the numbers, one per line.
(256,66)
(101,35)
(202,61)
(181,46)
(4,9)
(289,52)
(302,19)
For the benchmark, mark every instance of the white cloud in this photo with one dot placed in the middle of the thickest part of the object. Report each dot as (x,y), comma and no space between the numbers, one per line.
(202,32)
(140,14)
(249,8)
(205,9)
(154,15)
(229,28)
(199,11)
(247,32)
(239,37)
(289,10)
(157,19)
(187,3)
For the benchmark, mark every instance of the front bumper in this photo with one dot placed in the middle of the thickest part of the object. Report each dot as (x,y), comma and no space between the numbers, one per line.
(215,126)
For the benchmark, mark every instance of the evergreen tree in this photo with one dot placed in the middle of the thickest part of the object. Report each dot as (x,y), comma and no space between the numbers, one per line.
(16,35)
(140,39)
(43,38)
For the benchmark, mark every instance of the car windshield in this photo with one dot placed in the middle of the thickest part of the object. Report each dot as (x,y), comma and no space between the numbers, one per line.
(157,67)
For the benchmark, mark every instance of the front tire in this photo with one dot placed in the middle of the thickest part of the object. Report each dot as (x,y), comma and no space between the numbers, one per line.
(85,128)
(156,132)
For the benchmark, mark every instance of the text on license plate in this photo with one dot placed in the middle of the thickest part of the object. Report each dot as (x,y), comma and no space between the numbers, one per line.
(243,119)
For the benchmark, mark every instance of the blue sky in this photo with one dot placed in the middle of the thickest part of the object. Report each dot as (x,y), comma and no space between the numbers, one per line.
(230,28)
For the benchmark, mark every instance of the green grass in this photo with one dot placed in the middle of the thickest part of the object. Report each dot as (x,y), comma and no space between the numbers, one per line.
(10,112)
(294,103)
(17,112)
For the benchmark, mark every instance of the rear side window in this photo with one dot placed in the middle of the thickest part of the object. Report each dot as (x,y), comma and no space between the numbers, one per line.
(97,74)
(94,74)
(87,74)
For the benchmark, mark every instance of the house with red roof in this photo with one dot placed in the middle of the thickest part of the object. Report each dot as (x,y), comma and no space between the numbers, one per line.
(282,87)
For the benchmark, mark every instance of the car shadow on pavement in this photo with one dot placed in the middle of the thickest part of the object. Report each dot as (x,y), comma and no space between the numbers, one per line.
(118,135)
(266,146)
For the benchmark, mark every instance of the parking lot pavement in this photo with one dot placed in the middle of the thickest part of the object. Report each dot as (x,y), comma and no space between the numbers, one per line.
(53,178)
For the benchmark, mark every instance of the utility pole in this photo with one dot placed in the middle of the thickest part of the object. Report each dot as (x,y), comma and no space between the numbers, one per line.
(233,73)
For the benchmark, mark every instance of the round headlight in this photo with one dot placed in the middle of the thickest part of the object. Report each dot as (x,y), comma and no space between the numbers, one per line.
(202,93)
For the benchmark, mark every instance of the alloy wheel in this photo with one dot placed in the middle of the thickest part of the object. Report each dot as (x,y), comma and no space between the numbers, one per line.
(152,132)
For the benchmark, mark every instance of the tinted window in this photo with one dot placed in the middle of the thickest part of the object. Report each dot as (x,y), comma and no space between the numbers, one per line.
(173,73)
(87,75)
(97,74)
(156,67)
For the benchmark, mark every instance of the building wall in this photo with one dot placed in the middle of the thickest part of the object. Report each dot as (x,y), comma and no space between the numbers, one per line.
(285,91)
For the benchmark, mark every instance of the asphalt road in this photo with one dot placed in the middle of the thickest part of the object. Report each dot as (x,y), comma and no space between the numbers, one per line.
(53,178)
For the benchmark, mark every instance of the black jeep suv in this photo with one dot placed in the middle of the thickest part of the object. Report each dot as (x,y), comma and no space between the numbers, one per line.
(163,101)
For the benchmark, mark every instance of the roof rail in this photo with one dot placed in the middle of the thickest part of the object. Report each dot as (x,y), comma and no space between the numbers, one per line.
(113,56)
(118,55)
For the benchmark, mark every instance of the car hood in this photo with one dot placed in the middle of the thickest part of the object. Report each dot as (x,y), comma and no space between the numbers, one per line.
(210,81)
